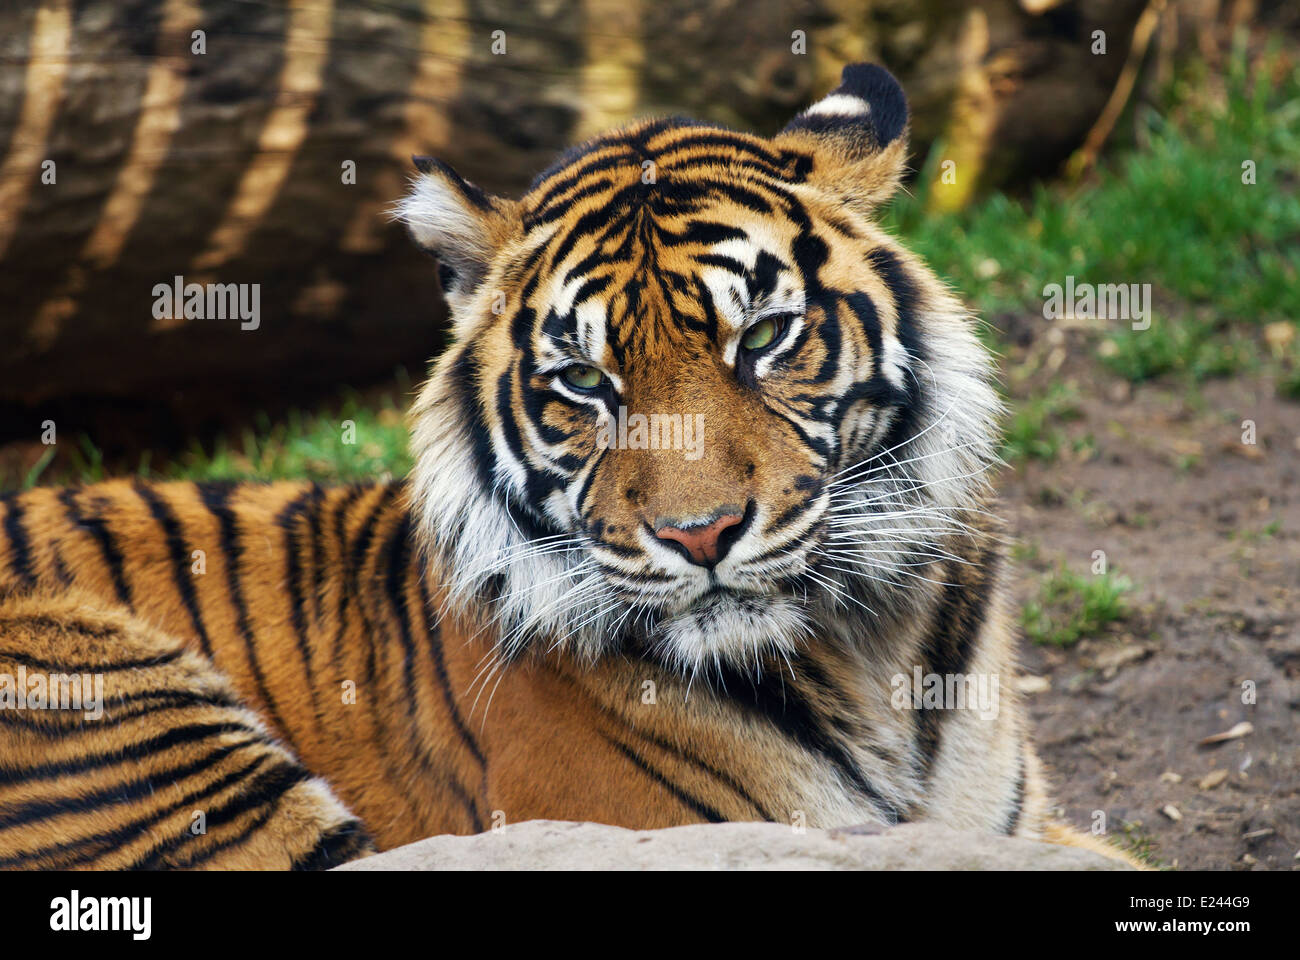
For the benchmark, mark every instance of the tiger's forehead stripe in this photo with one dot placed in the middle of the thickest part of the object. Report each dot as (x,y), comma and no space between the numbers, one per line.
(636,194)
(632,156)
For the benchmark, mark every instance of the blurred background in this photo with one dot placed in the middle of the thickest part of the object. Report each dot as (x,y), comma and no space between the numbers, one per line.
(1151,477)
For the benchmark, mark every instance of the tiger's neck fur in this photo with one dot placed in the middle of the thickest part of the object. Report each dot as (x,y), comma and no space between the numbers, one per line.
(316,603)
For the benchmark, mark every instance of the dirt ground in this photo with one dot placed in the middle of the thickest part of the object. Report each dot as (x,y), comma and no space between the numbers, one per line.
(1208,529)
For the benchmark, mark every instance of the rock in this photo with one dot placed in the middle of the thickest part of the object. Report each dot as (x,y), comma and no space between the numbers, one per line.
(555,845)
(1243,729)
(1212,779)
(1111,660)
(1034,684)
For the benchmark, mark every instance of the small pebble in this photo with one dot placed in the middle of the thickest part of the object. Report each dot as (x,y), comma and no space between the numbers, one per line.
(1243,729)
(1212,779)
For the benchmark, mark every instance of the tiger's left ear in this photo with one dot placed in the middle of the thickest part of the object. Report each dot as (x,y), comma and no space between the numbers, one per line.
(458,223)
(858,136)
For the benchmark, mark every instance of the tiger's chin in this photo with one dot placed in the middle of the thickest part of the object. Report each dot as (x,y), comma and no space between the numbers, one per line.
(730,629)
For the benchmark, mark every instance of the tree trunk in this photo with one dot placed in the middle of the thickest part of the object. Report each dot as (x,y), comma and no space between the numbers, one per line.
(144,140)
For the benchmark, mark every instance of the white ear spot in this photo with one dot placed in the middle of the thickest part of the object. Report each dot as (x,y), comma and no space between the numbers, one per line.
(839,105)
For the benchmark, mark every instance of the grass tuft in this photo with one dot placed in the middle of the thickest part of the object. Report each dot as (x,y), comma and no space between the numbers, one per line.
(354,442)
(1071,606)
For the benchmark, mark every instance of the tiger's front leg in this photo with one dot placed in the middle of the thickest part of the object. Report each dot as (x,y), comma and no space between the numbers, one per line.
(122,749)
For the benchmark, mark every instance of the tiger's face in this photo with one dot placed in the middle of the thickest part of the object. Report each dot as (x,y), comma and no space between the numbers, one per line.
(696,399)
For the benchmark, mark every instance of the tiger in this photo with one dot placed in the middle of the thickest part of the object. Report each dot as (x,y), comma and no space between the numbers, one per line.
(556,615)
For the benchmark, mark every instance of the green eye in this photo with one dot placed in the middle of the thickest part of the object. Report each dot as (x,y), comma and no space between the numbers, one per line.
(761,334)
(582,377)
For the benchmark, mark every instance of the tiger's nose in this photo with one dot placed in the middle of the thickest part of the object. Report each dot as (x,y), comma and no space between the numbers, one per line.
(704,543)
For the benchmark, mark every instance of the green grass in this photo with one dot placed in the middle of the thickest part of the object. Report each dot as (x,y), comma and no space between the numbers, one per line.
(1071,606)
(1289,382)
(355,442)
(1138,842)
(1266,532)
(1222,257)
(1030,432)
(355,439)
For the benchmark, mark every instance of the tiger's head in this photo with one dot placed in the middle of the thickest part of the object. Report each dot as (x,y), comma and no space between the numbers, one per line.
(695,398)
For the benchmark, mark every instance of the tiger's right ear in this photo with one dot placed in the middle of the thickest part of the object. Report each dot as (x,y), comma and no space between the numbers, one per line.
(857,135)
(458,223)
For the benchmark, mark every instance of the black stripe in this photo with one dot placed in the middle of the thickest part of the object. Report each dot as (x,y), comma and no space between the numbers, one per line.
(138,750)
(344,591)
(444,683)
(953,633)
(561,206)
(116,793)
(60,723)
(60,568)
(355,571)
(717,137)
(54,666)
(907,296)
(398,553)
(432,165)
(1017,800)
(267,787)
(842,713)
(730,264)
(179,552)
(154,860)
(107,543)
(620,157)
(366,563)
(785,708)
(336,845)
(216,498)
(107,841)
(307,504)
(591,287)
(787,517)
(686,756)
(701,808)
(19,543)
(287,521)
(317,550)
(434,640)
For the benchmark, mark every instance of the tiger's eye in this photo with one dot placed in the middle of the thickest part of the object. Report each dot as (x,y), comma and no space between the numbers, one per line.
(582,377)
(760,334)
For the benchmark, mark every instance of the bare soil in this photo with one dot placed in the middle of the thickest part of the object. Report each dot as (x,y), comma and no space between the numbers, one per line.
(1208,529)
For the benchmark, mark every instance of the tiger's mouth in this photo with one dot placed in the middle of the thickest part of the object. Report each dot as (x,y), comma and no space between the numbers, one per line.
(726,624)
(719,599)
